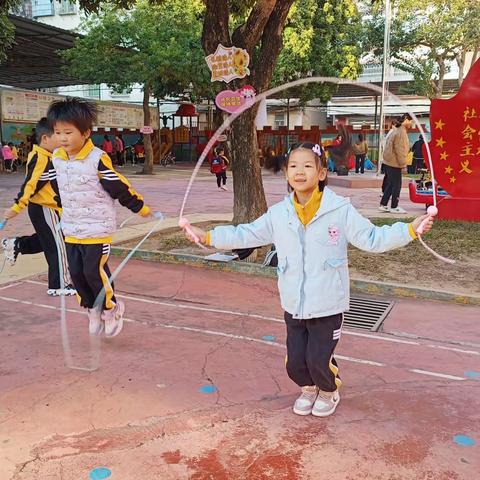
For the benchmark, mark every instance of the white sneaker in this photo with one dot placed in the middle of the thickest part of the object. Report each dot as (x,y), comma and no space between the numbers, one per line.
(326,403)
(54,292)
(384,208)
(304,403)
(397,210)
(9,250)
(224,188)
(114,319)
(69,290)
(95,326)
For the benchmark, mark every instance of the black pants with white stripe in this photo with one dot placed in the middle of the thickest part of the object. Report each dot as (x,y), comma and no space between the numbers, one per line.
(45,221)
(310,347)
(91,275)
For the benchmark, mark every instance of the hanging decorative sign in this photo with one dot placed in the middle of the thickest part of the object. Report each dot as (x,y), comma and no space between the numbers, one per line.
(228,63)
(146,130)
(230,101)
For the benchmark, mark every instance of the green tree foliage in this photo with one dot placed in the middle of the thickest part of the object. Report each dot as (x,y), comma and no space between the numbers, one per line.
(320,39)
(158,46)
(6,28)
(426,37)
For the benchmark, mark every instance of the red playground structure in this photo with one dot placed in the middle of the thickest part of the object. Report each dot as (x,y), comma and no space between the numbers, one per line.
(455,150)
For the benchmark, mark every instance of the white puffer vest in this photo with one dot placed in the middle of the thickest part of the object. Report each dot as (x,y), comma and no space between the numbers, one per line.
(88,210)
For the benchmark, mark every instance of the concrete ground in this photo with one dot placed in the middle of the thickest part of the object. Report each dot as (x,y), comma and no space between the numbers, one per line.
(195,386)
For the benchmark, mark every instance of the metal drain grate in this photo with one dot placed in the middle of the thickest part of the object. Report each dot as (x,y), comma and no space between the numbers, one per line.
(366,313)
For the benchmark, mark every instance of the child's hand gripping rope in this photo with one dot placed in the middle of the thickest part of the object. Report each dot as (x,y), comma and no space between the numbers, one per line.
(194,234)
(425,224)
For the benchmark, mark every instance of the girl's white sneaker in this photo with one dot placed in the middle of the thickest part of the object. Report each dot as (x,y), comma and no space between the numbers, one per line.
(326,403)
(304,403)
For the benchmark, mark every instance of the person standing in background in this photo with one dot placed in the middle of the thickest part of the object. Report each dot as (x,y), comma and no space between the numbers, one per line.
(361,150)
(119,148)
(7,157)
(418,160)
(395,154)
(107,146)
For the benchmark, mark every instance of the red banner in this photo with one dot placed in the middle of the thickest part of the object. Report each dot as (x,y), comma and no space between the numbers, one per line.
(455,144)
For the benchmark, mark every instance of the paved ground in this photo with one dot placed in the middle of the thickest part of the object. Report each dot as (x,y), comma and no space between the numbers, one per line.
(195,386)
(408,392)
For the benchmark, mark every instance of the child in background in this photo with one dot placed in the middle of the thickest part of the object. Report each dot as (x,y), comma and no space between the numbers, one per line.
(7,157)
(14,150)
(311,230)
(219,167)
(88,186)
(39,193)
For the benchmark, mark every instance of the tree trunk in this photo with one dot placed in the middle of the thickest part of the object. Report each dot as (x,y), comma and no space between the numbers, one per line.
(249,197)
(441,76)
(474,55)
(460,58)
(264,27)
(147,140)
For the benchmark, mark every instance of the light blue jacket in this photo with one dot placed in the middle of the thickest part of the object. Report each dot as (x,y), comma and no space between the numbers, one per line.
(312,261)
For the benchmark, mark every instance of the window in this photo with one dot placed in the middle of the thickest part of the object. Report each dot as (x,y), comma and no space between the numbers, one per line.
(67,7)
(279,120)
(42,8)
(23,9)
(92,91)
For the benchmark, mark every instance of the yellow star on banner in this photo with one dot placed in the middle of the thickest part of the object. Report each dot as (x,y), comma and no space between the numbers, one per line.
(448,170)
(453,179)
(440,142)
(443,156)
(439,125)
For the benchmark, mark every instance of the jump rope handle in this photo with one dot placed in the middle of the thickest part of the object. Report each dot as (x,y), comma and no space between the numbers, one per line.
(2,224)
(185,224)
(432,212)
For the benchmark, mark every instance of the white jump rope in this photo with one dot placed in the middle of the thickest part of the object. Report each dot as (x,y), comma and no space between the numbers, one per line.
(184,224)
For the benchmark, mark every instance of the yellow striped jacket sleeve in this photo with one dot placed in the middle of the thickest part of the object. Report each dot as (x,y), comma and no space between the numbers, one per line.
(38,171)
(119,188)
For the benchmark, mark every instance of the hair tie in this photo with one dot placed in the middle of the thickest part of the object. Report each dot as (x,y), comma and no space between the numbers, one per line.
(318,150)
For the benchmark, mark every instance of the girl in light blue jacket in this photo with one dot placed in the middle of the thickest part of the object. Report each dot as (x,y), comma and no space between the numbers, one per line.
(311,230)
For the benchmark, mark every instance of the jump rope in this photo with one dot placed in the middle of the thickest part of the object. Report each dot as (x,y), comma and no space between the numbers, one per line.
(95,345)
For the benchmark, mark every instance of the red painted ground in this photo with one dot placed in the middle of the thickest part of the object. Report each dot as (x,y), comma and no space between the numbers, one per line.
(142,414)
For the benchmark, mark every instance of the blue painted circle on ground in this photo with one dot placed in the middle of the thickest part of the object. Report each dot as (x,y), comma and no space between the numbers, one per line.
(208,389)
(100,473)
(472,374)
(464,440)
(268,338)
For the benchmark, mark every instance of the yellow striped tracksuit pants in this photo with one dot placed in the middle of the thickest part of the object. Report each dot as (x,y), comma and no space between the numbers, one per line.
(310,347)
(91,275)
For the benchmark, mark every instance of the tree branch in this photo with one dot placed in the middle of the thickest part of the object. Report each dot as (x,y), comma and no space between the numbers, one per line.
(215,26)
(248,34)
(272,42)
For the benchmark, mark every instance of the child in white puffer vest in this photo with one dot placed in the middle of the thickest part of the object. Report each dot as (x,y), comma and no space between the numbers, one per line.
(88,186)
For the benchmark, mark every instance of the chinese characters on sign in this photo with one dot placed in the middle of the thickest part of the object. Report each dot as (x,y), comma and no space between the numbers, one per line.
(455,144)
(231,101)
(29,107)
(228,63)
